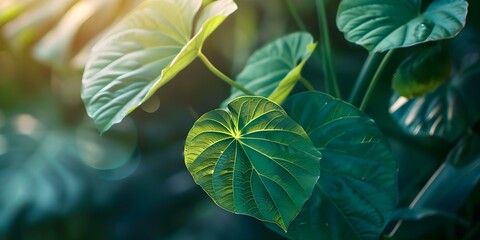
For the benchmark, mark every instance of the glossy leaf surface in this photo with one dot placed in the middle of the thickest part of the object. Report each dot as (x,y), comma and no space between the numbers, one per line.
(358,175)
(143,52)
(445,113)
(273,70)
(253,159)
(380,25)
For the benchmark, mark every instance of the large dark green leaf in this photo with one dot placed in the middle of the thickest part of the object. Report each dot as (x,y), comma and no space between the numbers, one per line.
(145,51)
(445,113)
(446,190)
(273,70)
(358,175)
(453,181)
(253,159)
(380,25)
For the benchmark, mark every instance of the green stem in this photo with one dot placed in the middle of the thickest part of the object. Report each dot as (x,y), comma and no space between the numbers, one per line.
(331,79)
(307,84)
(222,76)
(375,79)
(364,77)
(293,11)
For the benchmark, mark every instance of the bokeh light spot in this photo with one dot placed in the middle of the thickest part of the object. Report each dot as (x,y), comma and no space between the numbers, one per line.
(109,151)
(26,124)
(151,105)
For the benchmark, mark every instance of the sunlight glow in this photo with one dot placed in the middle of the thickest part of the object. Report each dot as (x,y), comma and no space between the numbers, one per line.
(398,104)
(53,45)
(151,105)
(26,124)
(109,151)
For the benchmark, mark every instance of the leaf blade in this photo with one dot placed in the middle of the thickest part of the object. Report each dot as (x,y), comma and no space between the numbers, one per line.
(381,25)
(273,70)
(143,52)
(253,160)
(357,186)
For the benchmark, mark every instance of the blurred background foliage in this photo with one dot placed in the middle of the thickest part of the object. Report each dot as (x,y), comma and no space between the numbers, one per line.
(60,179)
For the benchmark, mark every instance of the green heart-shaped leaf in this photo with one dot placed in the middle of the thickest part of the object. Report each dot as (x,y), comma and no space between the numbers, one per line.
(273,70)
(380,25)
(143,52)
(253,159)
(358,175)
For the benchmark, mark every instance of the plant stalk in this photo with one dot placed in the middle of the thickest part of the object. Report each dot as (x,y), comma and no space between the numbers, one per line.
(222,76)
(375,79)
(307,84)
(296,17)
(327,60)
(368,69)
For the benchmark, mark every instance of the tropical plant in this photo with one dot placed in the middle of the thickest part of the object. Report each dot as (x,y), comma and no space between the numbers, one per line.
(310,164)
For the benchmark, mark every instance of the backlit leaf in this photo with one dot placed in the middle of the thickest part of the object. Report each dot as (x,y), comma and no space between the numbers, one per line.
(273,70)
(380,25)
(27,20)
(423,72)
(77,29)
(9,9)
(253,159)
(143,52)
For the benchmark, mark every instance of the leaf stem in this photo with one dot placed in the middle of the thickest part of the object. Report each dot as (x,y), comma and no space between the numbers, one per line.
(364,77)
(329,70)
(222,76)
(307,84)
(296,17)
(375,79)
